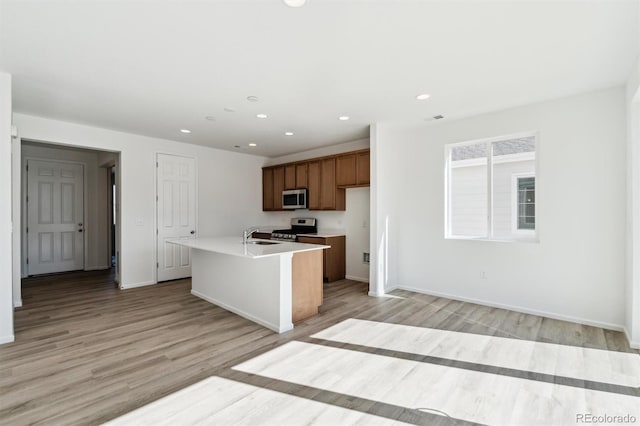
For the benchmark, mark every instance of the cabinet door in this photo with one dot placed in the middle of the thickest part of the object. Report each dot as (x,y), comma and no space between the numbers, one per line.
(278,187)
(267,189)
(335,259)
(313,181)
(346,170)
(328,184)
(362,168)
(290,176)
(318,240)
(301,176)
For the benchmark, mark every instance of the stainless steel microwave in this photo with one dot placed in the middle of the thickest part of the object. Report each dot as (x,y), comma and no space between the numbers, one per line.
(294,199)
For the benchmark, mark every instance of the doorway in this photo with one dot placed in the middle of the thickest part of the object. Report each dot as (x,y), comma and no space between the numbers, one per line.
(55,216)
(68,220)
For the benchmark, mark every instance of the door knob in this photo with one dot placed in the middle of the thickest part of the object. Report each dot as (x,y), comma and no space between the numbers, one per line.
(79,230)
(193,232)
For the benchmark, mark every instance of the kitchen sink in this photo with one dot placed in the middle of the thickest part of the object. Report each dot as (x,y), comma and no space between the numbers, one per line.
(262,243)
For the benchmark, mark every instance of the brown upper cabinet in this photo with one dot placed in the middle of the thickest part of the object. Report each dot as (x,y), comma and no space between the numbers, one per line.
(331,197)
(290,176)
(352,169)
(267,189)
(313,182)
(301,175)
(278,187)
(326,179)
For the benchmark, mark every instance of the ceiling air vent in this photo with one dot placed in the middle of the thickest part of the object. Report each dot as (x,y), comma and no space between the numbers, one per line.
(438,117)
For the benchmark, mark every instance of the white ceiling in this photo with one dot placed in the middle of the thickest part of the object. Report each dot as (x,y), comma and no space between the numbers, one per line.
(154,67)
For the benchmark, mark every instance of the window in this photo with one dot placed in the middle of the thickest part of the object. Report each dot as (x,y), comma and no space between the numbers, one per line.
(525,199)
(490,188)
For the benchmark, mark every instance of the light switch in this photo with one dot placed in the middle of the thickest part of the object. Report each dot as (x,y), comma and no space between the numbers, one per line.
(139,222)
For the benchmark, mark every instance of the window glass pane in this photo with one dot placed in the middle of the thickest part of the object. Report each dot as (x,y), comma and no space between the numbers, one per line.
(526,203)
(468,183)
(514,146)
(510,158)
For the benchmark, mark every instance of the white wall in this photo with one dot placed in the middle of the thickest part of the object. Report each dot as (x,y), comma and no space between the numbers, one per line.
(632,288)
(96,225)
(350,221)
(6,255)
(576,271)
(222,175)
(356,224)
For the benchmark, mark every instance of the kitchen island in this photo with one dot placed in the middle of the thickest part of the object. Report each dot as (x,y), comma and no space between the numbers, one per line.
(271,283)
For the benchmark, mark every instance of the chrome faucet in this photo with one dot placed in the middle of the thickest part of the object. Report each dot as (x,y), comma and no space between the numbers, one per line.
(247,233)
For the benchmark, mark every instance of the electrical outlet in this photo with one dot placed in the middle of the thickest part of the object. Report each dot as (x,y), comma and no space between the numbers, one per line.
(365,257)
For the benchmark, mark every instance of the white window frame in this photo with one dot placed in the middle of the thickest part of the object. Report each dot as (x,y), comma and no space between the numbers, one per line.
(514,204)
(523,235)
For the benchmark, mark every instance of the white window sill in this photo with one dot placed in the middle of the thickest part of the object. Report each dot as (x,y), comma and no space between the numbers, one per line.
(517,239)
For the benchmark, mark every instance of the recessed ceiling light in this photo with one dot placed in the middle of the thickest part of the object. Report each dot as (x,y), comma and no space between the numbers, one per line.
(210,118)
(261,115)
(253,144)
(252,98)
(423,96)
(229,109)
(294,3)
(288,133)
(185,130)
(343,118)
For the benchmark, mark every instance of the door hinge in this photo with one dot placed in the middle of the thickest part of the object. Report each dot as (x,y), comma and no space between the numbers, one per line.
(27,167)
(27,260)
(156,164)
(156,198)
(27,198)
(157,232)
(157,265)
(27,229)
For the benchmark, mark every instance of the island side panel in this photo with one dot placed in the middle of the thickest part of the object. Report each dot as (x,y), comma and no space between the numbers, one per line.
(248,287)
(306,284)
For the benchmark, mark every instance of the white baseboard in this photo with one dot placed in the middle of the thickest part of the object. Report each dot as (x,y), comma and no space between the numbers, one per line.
(632,344)
(267,324)
(17,303)
(521,309)
(97,268)
(354,278)
(136,285)
(7,339)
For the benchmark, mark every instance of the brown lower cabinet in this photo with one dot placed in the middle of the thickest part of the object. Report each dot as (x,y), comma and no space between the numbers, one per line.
(333,259)
(306,284)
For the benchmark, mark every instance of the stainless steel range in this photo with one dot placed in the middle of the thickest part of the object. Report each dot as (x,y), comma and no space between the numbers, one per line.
(299,225)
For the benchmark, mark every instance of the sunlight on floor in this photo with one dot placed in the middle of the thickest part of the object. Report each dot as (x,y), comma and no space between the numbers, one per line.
(220,401)
(463,394)
(619,368)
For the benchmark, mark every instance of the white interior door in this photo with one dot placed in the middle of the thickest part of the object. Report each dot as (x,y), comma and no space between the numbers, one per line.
(55,218)
(176,211)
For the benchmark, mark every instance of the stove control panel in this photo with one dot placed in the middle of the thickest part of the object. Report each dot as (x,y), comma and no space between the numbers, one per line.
(283,237)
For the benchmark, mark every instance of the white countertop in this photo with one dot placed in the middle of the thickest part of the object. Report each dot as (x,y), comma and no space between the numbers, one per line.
(233,246)
(326,233)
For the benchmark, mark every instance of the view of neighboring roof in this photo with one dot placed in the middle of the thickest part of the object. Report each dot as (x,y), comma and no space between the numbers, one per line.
(505,147)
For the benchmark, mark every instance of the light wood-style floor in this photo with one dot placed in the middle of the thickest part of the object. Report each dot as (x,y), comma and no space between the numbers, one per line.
(86,353)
